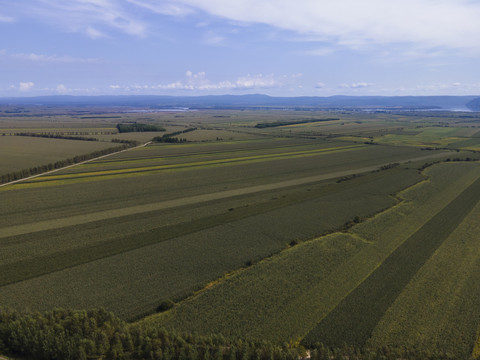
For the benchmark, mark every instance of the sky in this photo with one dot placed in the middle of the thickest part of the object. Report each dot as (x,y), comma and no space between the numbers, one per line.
(210,47)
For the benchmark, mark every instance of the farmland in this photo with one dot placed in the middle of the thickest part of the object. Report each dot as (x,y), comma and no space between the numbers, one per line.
(326,277)
(19,152)
(331,227)
(163,210)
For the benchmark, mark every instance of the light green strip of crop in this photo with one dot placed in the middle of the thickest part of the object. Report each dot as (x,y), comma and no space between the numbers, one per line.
(55,180)
(81,179)
(204,163)
(158,158)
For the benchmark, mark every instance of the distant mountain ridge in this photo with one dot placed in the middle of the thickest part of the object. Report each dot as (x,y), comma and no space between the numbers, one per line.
(466,103)
(474,105)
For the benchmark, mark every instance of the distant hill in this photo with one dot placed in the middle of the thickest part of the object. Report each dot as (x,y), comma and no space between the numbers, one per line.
(258,101)
(474,105)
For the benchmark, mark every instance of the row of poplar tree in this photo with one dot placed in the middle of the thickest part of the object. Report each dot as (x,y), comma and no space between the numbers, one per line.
(98,334)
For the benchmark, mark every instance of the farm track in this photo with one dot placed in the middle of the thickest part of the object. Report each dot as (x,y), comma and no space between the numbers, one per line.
(363,308)
(192,200)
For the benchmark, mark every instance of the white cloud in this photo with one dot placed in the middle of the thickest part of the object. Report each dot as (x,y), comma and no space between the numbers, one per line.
(25,86)
(211,38)
(163,8)
(49,58)
(420,25)
(320,52)
(6,19)
(319,85)
(62,89)
(440,87)
(200,82)
(94,33)
(451,24)
(257,81)
(357,85)
(90,17)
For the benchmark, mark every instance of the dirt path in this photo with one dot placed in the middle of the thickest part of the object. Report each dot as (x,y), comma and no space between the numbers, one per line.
(191,200)
(69,166)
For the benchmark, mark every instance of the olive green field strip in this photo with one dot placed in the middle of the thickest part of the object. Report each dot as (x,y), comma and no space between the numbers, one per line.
(17,230)
(27,205)
(108,214)
(223,150)
(359,151)
(287,296)
(217,162)
(175,260)
(165,152)
(363,308)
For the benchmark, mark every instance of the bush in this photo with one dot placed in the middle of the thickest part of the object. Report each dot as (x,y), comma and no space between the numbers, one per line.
(137,127)
(165,305)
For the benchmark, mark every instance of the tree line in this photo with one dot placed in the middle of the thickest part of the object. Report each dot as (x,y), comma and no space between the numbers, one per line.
(57,136)
(138,127)
(170,137)
(98,334)
(292,122)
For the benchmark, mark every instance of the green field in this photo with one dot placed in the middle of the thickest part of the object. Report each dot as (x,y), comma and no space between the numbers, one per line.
(360,230)
(18,152)
(112,222)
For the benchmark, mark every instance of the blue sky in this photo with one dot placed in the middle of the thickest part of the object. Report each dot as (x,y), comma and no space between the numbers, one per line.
(274,47)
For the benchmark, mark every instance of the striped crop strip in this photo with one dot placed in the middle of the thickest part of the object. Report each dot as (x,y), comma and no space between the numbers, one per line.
(353,320)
